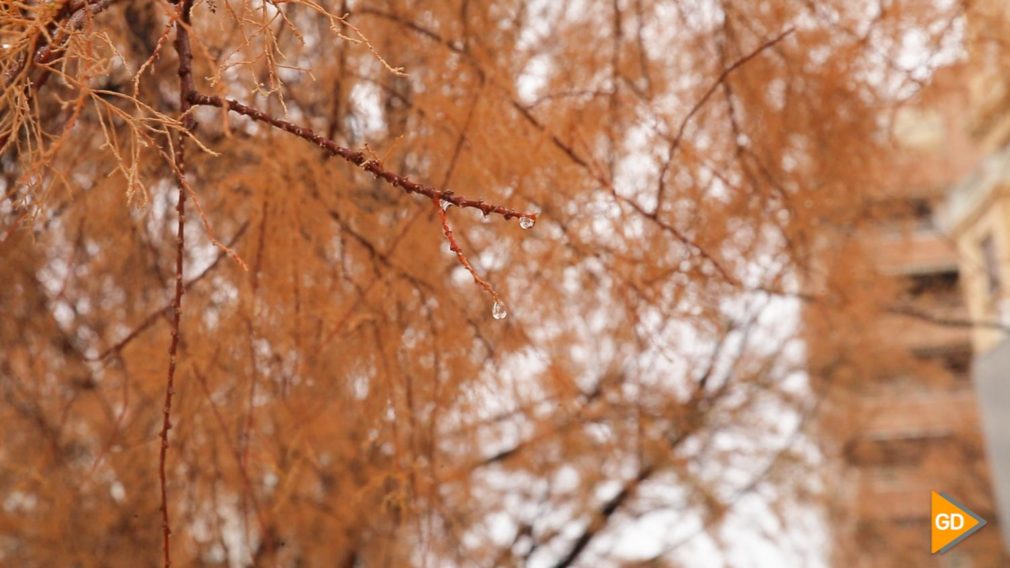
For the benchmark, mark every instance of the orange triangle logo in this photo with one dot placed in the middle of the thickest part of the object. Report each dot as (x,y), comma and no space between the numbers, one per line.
(950,523)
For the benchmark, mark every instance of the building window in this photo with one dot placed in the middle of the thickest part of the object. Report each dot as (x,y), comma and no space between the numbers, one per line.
(922,214)
(955,360)
(902,216)
(941,287)
(990,262)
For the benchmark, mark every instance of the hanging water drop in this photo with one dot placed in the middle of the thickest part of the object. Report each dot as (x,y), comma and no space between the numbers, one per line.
(498,311)
(444,204)
(527,222)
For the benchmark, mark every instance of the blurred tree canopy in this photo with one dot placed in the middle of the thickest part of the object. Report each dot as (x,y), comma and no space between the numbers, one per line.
(293,219)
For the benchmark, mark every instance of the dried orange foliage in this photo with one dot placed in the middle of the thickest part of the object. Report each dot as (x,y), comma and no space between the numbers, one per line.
(342,394)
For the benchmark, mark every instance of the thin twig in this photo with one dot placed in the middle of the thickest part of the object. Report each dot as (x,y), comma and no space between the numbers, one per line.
(153,317)
(463,260)
(704,99)
(359,158)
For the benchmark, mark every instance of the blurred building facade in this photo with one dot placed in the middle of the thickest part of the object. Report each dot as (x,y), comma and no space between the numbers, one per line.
(941,422)
(976,215)
(916,428)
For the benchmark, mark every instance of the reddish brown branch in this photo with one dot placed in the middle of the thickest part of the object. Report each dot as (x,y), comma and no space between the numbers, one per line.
(463,260)
(185,87)
(358,158)
(75,14)
(78,13)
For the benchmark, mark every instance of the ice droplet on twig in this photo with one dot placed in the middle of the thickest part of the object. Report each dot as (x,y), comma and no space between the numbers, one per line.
(498,311)
(527,222)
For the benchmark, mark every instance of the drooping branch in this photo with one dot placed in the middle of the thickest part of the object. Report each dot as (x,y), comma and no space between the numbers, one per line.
(463,260)
(359,159)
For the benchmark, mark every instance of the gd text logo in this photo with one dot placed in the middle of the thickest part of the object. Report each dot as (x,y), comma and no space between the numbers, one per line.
(951,522)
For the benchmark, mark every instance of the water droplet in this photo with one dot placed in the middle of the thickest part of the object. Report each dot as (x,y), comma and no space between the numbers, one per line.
(498,311)
(445,205)
(527,222)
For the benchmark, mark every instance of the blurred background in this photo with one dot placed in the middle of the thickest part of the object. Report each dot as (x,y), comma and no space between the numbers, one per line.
(503,283)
